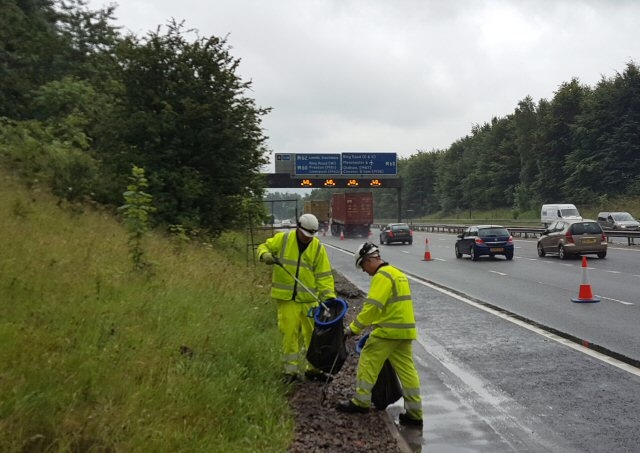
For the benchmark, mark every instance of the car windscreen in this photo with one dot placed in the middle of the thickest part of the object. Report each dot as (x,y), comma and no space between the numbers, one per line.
(400,228)
(621,216)
(491,232)
(586,228)
(569,212)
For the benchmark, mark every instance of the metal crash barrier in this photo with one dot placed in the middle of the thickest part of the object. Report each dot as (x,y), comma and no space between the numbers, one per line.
(524,232)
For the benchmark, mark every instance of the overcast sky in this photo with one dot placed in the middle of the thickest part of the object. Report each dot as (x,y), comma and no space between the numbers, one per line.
(401,75)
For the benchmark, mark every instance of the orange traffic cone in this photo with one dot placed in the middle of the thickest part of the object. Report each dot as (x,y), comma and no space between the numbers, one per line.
(427,253)
(586,294)
(341,235)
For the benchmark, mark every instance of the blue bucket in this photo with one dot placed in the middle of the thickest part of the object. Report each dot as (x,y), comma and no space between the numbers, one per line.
(361,343)
(318,311)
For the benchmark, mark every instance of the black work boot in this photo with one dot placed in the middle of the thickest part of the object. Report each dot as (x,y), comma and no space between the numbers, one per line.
(350,408)
(405,420)
(289,378)
(314,375)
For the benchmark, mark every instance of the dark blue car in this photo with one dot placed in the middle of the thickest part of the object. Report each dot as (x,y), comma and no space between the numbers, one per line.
(484,240)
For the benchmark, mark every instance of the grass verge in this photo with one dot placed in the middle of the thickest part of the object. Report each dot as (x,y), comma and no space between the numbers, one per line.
(97,357)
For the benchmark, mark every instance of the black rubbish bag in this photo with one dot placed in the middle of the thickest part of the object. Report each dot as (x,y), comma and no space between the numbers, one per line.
(327,351)
(387,389)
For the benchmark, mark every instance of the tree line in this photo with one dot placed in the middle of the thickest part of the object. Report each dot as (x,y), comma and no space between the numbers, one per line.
(578,147)
(81,104)
(581,146)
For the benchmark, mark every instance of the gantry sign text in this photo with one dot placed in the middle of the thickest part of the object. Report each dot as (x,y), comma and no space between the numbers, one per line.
(338,170)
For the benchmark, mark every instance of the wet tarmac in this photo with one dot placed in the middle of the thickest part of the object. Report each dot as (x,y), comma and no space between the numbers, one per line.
(490,385)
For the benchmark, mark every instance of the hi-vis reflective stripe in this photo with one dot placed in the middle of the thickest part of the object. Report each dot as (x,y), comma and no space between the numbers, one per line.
(289,287)
(285,240)
(324,274)
(413,405)
(364,400)
(393,282)
(377,303)
(410,392)
(294,263)
(399,299)
(282,286)
(364,385)
(394,325)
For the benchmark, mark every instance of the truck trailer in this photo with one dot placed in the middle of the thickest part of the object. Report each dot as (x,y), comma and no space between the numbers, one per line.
(320,209)
(351,214)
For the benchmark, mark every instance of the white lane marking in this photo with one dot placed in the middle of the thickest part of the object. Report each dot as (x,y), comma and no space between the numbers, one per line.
(442,259)
(613,272)
(616,300)
(499,273)
(558,339)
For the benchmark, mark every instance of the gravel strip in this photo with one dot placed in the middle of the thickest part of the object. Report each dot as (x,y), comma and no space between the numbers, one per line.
(319,426)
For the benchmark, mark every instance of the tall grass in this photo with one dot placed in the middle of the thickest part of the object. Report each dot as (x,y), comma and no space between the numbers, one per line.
(97,357)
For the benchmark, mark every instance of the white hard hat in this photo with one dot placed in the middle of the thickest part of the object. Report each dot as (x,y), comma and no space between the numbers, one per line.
(308,224)
(366,249)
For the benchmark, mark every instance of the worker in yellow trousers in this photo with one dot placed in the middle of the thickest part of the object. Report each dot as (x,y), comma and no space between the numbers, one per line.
(299,253)
(388,309)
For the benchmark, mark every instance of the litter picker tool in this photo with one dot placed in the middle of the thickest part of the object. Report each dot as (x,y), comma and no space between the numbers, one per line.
(327,312)
(323,394)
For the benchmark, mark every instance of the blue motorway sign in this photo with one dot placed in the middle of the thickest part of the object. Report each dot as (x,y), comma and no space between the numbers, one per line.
(317,164)
(369,164)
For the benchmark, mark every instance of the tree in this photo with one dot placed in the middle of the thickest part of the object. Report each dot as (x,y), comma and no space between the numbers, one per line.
(556,132)
(187,122)
(46,40)
(607,144)
(419,175)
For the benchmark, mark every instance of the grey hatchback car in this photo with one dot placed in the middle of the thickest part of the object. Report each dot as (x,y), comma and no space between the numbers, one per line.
(396,232)
(573,237)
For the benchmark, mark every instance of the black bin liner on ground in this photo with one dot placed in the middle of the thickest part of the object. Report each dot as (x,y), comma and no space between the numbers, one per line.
(327,351)
(387,389)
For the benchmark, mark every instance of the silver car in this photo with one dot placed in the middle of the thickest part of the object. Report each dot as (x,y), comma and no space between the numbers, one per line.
(618,221)
(573,237)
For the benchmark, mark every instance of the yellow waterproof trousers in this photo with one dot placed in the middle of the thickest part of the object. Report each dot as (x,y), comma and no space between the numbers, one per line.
(400,354)
(296,328)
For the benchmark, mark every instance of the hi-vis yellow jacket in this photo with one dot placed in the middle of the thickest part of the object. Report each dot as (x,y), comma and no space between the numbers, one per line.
(388,307)
(312,268)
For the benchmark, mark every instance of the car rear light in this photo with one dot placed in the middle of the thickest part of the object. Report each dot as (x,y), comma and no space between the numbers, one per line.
(390,234)
(479,241)
(604,238)
(510,239)
(410,232)
(569,237)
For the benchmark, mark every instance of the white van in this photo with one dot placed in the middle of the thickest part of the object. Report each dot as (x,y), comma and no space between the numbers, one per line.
(552,212)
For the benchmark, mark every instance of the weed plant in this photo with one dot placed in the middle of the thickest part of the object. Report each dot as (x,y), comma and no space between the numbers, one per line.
(97,357)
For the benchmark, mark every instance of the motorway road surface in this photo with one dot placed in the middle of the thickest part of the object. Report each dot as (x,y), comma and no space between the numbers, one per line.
(492,383)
